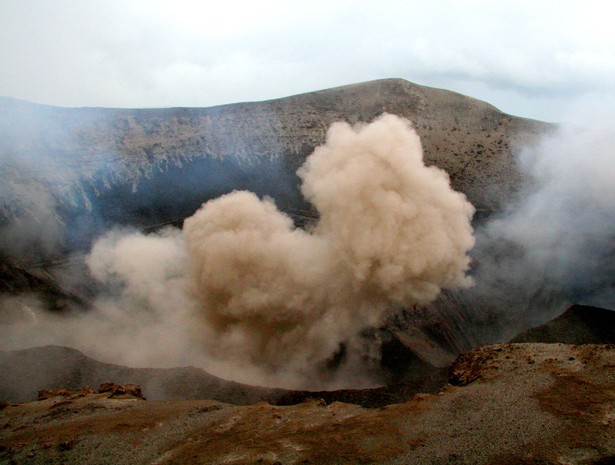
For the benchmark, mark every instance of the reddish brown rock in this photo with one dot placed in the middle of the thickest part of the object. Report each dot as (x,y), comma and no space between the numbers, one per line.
(49,393)
(121,390)
(469,367)
(64,392)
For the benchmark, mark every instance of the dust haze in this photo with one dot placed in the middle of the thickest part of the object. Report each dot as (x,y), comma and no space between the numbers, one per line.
(243,293)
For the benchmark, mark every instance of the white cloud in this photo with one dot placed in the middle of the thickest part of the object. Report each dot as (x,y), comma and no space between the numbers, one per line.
(186,52)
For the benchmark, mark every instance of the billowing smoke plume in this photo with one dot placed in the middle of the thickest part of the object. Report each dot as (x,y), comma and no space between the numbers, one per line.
(245,294)
(391,232)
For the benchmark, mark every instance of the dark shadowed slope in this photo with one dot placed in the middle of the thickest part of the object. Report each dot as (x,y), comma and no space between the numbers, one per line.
(25,372)
(579,324)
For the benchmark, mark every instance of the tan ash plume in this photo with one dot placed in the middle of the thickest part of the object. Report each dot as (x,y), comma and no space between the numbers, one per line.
(391,232)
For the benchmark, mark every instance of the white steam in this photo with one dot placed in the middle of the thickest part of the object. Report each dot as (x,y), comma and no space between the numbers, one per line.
(244,293)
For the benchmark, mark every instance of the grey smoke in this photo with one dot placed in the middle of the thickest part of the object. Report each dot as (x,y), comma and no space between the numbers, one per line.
(34,231)
(556,243)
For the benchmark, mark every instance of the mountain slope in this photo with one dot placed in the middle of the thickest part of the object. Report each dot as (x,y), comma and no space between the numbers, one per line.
(84,169)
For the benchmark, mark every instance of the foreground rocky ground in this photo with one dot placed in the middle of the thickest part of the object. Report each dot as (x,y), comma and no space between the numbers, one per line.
(528,403)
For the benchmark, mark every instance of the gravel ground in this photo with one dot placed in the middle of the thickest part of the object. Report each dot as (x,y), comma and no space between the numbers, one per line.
(511,404)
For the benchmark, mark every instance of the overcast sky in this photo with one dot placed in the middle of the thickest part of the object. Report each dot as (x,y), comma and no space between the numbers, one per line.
(551,60)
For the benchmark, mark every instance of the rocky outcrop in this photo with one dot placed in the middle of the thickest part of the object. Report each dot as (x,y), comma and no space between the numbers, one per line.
(121,391)
(466,368)
(44,394)
(111,390)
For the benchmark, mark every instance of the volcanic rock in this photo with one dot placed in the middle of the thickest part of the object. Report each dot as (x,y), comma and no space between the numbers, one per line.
(121,391)
(49,393)
(529,404)
(466,368)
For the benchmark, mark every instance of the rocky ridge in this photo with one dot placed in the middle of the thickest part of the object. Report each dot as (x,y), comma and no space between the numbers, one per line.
(151,166)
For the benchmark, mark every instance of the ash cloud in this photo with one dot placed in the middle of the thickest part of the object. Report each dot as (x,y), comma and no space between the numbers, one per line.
(246,295)
(391,233)
(141,317)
